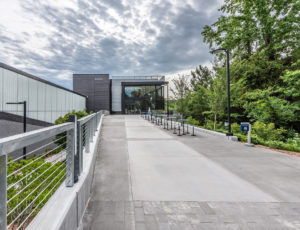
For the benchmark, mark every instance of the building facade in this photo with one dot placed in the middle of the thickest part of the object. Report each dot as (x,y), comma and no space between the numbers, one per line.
(121,94)
(97,89)
(45,101)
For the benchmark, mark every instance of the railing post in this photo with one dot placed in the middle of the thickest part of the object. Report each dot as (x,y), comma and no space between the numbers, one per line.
(79,147)
(87,137)
(95,124)
(91,130)
(71,151)
(3,192)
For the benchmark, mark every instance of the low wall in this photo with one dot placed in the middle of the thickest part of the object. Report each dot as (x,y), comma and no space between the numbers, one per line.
(65,209)
(208,132)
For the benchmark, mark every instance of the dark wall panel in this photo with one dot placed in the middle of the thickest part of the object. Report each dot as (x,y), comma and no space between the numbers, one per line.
(96,87)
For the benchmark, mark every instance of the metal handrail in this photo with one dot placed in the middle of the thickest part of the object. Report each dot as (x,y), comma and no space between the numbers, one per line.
(12,143)
(79,136)
(86,119)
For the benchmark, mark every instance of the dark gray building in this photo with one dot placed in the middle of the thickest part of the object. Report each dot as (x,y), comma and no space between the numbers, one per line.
(97,89)
(121,94)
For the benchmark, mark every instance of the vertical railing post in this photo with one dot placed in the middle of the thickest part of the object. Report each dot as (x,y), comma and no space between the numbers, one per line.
(87,136)
(3,192)
(95,124)
(97,116)
(91,129)
(71,151)
(79,147)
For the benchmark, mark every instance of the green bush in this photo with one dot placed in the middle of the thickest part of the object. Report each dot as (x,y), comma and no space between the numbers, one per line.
(80,114)
(59,138)
(268,132)
(209,125)
(34,182)
(193,121)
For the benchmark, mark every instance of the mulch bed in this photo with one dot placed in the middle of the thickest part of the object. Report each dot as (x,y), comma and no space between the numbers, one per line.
(280,150)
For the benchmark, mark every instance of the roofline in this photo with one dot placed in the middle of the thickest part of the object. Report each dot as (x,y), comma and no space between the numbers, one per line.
(2,65)
(86,74)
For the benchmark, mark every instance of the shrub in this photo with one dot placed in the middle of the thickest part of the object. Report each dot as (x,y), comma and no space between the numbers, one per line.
(193,121)
(209,125)
(267,132)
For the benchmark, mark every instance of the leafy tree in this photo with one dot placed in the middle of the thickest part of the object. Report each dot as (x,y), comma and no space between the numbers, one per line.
(198,103)
(217,99)
(201,77)
(268,26)
(180,91)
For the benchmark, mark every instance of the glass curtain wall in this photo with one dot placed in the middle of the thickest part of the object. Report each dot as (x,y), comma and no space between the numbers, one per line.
(140,98)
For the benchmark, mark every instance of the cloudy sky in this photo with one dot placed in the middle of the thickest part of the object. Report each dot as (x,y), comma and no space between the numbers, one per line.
(53,39)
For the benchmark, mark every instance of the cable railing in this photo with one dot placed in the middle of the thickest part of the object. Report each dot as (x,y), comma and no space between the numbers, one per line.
(28,179)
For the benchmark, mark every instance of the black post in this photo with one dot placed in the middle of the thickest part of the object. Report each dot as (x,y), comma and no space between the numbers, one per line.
(179,130)
(24,120)
(228,95)
(168,111)
(24,126)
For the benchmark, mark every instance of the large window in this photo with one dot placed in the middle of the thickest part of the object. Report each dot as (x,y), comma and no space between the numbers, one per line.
(140,98)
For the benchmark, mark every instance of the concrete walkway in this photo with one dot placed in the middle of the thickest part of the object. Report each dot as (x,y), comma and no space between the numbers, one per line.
(148,178)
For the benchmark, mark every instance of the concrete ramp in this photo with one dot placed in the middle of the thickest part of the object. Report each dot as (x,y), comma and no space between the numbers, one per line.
(148,178)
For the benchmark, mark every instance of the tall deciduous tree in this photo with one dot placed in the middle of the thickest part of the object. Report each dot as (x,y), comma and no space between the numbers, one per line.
(180,90)
(268,26)
(202,76)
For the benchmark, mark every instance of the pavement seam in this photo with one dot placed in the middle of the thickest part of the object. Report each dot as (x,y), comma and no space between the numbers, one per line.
(129,174)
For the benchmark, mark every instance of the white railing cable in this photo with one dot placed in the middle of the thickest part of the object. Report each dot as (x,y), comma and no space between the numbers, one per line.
(41,156)
(40,202)
(25,185)
(33,191)
(32,182)
(32,202)
(33,151)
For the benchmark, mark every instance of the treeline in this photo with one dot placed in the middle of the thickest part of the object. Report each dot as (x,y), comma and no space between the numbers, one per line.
(263,37)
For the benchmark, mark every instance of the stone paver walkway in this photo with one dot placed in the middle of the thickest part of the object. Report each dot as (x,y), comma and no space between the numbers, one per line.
(148,178)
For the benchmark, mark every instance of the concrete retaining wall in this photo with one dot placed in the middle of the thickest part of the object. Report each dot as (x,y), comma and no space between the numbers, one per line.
(65,209)
(210,132)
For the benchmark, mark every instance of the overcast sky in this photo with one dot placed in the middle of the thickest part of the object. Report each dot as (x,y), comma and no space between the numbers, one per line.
(53,39)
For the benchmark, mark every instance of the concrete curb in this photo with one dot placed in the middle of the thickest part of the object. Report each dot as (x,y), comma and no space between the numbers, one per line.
(66,207)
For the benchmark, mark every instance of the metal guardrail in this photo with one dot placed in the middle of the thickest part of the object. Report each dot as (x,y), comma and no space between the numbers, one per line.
(26,185)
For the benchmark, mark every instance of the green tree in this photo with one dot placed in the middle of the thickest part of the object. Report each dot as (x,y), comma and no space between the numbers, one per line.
(180,90)
(217,99)
(201,77)
(268,26)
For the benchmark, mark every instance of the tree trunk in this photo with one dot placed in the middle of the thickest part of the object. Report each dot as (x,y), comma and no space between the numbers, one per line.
(215,121)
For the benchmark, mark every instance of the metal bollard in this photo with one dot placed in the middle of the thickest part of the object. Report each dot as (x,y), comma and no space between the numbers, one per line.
(179,130)
(171,123)
(187,129)
(193,134)
(174,132)
(183,133)
(167,124)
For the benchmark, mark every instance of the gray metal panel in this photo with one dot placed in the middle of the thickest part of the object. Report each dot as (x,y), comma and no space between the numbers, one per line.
(10,92)
(1,89)
(46,102)
(96,87)
(12,69)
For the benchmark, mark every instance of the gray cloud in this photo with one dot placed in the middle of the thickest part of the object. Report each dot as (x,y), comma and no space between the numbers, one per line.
(91,39)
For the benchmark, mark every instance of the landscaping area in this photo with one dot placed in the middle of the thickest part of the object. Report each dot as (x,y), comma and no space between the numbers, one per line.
(264,51)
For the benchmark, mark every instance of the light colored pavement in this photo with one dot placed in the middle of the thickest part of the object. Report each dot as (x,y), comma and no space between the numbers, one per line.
(148,178)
